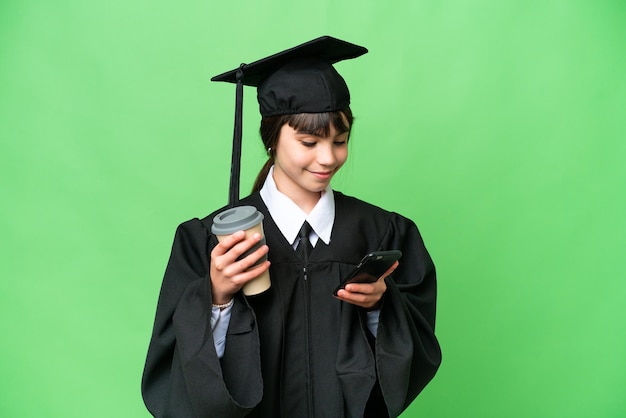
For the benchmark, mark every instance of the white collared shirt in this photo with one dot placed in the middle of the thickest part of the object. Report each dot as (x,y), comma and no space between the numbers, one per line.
(289,218)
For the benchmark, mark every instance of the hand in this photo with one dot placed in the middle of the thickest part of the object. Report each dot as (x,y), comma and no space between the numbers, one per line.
(228,274)
(366,295)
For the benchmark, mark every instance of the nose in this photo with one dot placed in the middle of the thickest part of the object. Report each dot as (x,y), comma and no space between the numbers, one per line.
(326,154)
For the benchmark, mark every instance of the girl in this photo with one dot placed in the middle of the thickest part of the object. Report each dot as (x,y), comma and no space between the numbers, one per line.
(295,350)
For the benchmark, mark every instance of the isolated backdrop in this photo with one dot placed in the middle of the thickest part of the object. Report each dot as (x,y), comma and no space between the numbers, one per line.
(498,126)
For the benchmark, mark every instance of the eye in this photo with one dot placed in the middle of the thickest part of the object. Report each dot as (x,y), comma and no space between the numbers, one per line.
(308,144)
(341,140)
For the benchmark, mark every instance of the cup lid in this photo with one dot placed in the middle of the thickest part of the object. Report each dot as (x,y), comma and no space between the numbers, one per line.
(235,219)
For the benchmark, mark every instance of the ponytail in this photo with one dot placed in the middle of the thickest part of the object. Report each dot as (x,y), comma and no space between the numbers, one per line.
(260,178)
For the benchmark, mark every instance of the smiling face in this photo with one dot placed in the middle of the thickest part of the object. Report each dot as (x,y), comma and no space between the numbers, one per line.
(304,163)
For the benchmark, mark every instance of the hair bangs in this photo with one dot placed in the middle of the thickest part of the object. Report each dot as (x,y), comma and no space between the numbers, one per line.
(319,124)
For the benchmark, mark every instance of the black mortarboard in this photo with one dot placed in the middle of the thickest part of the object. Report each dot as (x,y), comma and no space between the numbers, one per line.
(301,79)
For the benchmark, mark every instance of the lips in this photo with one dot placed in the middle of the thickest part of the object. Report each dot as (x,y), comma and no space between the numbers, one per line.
(322,175)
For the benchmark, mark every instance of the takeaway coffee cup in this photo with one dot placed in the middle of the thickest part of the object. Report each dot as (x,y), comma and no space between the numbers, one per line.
(249,220)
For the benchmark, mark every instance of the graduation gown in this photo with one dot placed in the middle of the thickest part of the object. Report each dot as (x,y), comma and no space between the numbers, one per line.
(295,350)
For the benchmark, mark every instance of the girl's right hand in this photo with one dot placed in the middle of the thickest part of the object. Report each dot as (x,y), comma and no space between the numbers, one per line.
(228,274)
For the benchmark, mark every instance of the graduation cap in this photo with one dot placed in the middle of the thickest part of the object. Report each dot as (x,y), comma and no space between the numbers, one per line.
(301,79)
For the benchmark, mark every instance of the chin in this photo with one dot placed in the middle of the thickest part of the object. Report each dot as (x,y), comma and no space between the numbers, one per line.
(318,188)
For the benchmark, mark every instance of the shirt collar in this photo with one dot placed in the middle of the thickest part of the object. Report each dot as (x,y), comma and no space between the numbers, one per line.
(289,217)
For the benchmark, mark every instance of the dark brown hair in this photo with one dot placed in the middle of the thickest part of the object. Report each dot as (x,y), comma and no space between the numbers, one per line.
(311,123)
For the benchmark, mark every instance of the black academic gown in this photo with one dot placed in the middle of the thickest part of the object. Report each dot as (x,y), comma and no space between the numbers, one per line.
(295,350)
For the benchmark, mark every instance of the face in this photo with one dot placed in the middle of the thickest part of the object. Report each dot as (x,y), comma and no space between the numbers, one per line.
(304,163)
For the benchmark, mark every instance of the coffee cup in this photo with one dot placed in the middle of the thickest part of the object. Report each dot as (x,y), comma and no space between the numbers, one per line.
(249,220)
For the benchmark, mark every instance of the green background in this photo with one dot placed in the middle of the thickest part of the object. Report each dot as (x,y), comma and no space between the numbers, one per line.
(498,126)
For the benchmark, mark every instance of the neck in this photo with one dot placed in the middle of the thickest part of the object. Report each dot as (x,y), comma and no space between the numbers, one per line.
(305,200)
(307,204)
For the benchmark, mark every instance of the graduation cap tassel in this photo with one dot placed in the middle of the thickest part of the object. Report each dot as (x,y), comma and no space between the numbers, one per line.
(233,193)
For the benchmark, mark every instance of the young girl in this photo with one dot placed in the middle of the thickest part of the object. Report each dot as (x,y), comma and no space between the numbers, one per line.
(295,350)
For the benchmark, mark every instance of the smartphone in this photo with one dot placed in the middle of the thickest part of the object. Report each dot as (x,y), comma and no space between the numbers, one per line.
(371,267)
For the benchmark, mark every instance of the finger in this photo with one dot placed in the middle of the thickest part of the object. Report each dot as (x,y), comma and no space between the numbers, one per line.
(233,267)
(378,287)
(390,269)
(351,297)
(227,242)
(251,274)
(235,251)
(250,260)
(361,288)
(358,299)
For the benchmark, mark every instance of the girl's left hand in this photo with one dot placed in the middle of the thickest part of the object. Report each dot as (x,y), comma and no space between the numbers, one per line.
(366,295)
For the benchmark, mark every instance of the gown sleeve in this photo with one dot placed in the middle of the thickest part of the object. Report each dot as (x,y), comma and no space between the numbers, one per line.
(183,376)
(406,349)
